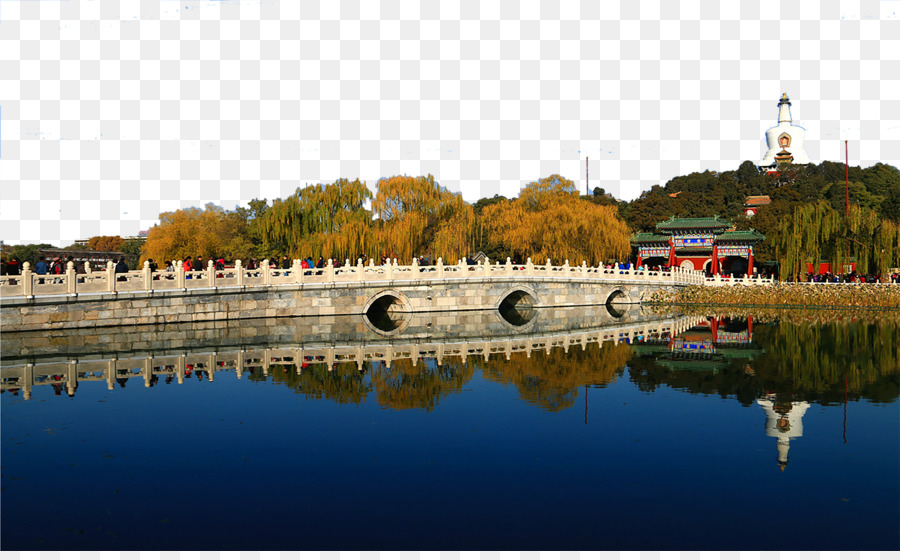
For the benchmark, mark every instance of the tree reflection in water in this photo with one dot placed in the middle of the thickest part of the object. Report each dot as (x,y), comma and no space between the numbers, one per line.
(552,381)
(798,361)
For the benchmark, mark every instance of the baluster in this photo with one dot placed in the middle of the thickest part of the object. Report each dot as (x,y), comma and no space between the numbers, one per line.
(440,267)
(148,277)
(239,272)
(329,271)
(360,270)
(297,271)
(266,272)
(27,280)
(567,270)
(529,267)
(508,266)
(210,273)
(179,275)
(110,277)
(415,268)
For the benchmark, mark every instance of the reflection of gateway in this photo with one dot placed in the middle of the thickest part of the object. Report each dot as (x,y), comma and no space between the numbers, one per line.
(784,420)
(715,340)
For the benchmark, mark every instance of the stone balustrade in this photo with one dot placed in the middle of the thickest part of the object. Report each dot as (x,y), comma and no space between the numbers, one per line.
(732,280)
(31,285)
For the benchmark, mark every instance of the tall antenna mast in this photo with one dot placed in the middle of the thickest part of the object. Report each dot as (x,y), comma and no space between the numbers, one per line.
(847,168)
(587,171)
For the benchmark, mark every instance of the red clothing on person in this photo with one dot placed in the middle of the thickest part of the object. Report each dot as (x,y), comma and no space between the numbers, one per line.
(188,266)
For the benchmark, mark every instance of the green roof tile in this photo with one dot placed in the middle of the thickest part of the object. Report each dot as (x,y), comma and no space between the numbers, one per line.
(689,223)
(750,235)
(644,237)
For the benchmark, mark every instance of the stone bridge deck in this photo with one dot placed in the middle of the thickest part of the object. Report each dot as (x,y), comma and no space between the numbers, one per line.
(97,299)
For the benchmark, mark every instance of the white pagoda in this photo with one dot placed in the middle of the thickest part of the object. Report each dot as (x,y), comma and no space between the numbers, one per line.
(784,140)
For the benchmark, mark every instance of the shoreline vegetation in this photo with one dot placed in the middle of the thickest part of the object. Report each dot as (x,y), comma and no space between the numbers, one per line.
(784,296)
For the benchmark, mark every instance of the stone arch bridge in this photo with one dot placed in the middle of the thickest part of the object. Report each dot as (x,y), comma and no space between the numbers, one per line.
(383,294)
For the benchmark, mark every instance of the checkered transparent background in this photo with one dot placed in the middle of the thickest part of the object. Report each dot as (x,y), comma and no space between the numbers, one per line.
(465,555)
(114,111)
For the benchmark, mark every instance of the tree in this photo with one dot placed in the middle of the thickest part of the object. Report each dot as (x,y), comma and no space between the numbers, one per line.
(325,220)
(419,216)
(211,232)
(27,253)
(549,220)
(132,249)
(816,232)
(105,243)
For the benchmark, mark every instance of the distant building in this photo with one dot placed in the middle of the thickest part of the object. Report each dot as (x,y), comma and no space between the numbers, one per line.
(708,244)
(753,203)
(784,140)
(141,235)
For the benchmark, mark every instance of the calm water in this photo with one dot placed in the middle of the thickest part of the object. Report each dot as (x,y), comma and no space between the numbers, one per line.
(708,433)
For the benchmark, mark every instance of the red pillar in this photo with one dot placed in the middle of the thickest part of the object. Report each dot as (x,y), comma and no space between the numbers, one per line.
(750,263)
(714,267)
(640,258)
(714,327)
(671,253)
(750,327)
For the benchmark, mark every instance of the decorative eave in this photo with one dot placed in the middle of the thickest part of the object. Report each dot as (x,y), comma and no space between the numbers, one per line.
(644,238)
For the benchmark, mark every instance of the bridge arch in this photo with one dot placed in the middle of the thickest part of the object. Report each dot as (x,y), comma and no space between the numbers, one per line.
(516,305)
(617,302)
(387,312)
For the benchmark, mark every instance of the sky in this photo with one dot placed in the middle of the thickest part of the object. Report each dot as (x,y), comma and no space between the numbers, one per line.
(114,112)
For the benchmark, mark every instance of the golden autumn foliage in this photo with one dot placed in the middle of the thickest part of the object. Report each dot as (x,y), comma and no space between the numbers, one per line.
(419,384)
(105,243)
(409,217)
(211,233)
(551,381)
(550,221)
(418,216)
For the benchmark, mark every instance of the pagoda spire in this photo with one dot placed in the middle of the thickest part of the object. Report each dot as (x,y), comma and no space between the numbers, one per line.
(784,109)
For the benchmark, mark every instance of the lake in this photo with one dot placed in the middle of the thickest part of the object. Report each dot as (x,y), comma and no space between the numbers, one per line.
(577,429)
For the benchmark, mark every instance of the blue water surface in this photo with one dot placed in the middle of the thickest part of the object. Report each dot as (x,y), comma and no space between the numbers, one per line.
(250,464)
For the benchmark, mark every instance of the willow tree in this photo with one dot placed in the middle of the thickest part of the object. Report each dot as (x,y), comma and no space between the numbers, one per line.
(549,220)
(418,216)
(816,232)
(210,232)
(321,220)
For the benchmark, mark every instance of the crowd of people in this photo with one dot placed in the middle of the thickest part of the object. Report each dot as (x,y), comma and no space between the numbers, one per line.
(59,265)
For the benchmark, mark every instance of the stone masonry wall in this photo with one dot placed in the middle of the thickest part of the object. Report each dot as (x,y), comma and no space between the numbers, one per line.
(141,308)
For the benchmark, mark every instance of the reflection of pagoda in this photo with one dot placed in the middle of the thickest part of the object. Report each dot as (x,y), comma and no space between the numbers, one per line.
(784,420)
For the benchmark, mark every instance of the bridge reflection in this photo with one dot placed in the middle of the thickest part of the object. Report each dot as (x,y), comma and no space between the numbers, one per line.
(304,349)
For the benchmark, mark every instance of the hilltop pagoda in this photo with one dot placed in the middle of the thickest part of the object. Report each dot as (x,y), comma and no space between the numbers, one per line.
(708,244)
(784,141)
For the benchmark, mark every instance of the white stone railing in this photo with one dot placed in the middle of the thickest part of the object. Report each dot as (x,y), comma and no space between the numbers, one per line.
(28,284)
(732,280)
